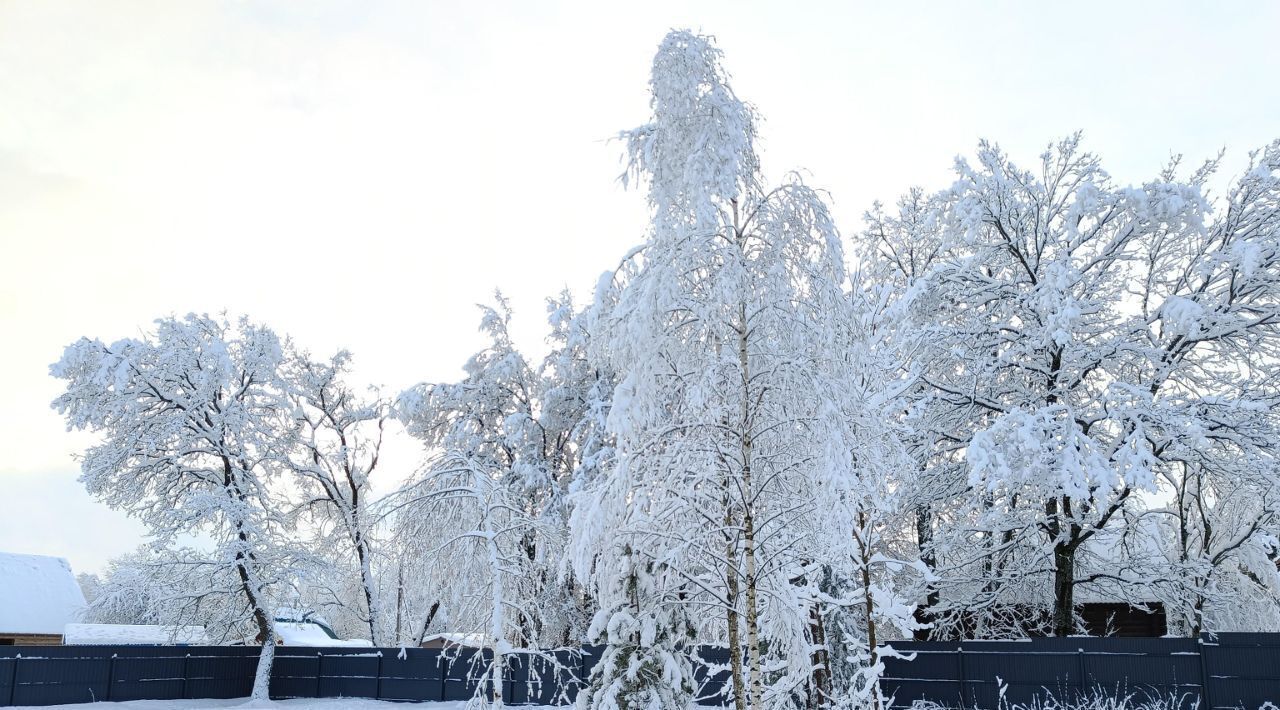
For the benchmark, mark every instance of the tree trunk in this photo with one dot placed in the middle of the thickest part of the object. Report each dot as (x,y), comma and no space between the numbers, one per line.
(756,691)
(820,680)
(366,579)
(1064,560)
(496,631)
(495,677)
(399,601)
(869,602)
(260,617)
(262,676)
(426,623)
(266,627)
(1197,614)
(924,613)
(731,610)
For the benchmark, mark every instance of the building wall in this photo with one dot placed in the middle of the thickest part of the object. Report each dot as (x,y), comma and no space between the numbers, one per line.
(1124,620)
(30,639)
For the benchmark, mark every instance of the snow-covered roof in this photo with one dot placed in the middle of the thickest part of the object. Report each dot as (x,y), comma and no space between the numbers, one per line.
(476,640)
(299,614)
(294,633)
(104,634)
(38,594)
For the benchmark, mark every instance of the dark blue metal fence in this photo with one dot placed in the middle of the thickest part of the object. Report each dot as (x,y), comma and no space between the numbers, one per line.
(51,675)
(1223,671)
(1219,671)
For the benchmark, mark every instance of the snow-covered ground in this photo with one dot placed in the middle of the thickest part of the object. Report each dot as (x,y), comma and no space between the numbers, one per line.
(299,704)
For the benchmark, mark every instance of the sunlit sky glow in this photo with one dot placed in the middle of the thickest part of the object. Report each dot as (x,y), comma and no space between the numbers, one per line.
(357,174)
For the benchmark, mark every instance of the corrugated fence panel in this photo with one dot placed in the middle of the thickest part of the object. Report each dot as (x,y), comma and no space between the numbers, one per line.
(8,667)
(220,671)
(711,675)
(1025,670)
(929,673)
(1031,669)
(588,658)
(551,680)
(350,675)
(53,681)
(1243,669)
(295,674)
(532,680)
(461,678)
(415,674)
(148,677)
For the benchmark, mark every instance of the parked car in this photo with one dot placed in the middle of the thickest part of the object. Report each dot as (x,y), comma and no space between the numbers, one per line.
(297,628)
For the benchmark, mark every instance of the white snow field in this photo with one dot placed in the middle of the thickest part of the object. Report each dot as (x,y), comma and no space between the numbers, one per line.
(298,704)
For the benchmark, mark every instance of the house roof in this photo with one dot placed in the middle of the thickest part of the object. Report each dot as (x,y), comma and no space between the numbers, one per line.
(38,594)
(129,634)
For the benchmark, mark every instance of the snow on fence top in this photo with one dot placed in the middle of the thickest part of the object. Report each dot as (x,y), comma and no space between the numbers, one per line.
(130,634)
(38,594)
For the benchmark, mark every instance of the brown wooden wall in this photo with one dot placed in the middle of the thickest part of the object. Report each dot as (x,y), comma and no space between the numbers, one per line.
(30,639)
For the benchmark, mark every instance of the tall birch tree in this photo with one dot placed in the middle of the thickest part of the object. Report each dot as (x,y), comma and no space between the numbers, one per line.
(723,328)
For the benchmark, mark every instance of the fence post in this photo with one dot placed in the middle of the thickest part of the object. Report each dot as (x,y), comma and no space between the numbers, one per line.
(319,667)
(1083,680)
(185,672)
(111,675)
(13,679)
(508,678)
(1205,679)
(377,693)
(964,686)
(443,664)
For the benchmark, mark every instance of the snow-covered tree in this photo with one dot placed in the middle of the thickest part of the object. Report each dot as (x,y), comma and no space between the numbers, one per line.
(896,252)
(338,449)
(174,586)
(643,664)
(870,569)
(193,430)
(1083,334)
(504,445)
(727,328)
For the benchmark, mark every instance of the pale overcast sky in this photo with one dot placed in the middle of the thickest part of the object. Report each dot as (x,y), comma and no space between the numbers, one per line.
(357,174)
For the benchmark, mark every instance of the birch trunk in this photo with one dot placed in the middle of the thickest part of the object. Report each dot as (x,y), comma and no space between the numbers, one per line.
(756,689)
(731,606)
(864,552)
(820,679)
(495,615)
(753,614)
